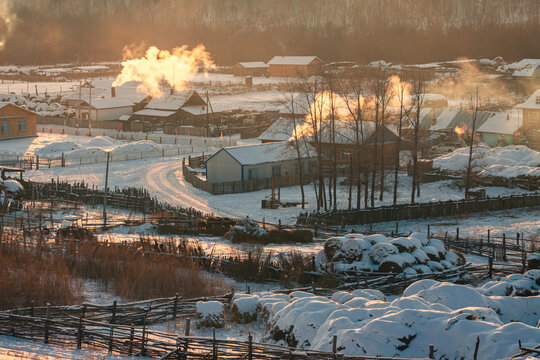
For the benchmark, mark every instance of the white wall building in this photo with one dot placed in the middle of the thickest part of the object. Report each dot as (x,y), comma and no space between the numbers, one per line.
(104,109)
(243,163)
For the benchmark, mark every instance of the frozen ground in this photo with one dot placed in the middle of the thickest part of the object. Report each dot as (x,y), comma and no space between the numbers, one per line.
(15,349)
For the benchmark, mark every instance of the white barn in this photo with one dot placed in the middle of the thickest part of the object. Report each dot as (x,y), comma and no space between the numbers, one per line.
(255,162)
(104,109)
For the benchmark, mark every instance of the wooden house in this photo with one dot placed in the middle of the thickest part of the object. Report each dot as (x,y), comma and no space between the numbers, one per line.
(295,66)
(531,118)
(16,122)
(253,68)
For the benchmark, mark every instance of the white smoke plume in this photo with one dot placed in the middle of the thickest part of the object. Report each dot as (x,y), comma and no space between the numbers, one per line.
(7,22)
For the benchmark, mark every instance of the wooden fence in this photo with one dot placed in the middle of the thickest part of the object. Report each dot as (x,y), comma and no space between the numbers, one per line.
(419,211)
(130,340)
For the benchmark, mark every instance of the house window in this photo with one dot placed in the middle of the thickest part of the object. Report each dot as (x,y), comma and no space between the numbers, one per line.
(253,174)
(85,116)
(345,155)
(5,126)
(22,125)
(538,100)
(533,117)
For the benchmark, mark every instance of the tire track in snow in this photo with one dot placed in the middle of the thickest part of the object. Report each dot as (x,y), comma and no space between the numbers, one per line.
(163,182)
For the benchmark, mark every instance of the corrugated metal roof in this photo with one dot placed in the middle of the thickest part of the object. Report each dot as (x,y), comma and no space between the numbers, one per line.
(265,153)
(170,102)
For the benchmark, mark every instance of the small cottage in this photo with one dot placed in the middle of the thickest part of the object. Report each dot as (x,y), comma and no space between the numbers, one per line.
(253,68)
(16,122)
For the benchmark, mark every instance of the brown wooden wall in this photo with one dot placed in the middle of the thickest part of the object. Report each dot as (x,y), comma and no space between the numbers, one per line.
(12,114)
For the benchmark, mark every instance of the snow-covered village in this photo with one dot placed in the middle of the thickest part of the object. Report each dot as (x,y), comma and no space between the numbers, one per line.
(286,179)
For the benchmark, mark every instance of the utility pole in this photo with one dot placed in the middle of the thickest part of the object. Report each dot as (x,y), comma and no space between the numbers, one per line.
(207,123)
(106,191)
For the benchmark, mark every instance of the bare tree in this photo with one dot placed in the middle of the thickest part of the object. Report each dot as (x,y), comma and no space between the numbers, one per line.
(290,99)
(403,113)
(471,143)
(352,92)
(419,92)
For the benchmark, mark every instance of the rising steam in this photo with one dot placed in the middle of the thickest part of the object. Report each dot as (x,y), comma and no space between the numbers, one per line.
(176,68)
(7,22)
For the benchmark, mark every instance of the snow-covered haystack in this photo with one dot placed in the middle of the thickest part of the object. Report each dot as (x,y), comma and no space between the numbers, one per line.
(135,147)
(447,315)
(41,104)
(247,230)
(209,314)
(55,149)
(506,162)
(244,308)
(101,142)
(85,152)
(527,284)
(412,255)
(13,187)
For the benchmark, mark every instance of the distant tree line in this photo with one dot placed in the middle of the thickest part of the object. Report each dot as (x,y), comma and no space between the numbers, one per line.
(412,31)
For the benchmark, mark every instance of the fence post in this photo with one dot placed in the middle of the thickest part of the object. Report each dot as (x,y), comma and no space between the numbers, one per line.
(250,347)
(490,268)
(175,306)
(214,346)
(428,231)
(79,333)
(113,317)
(504,247)
(131,336)
(186,333)
(46,336)
(37,162)
(32,308)
(334,347)
(111,339)
(431,351)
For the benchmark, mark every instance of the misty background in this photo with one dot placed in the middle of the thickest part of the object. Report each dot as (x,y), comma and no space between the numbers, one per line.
(410,31)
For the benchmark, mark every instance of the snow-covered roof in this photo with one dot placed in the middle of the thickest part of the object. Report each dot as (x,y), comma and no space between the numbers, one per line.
(345,132)
(507,123)
(3,104)
(444,119)
(530,70)
(128,91)
(195,109)
(531,102)
(265,153)
(293,60)
(281,130)
(155,113)
(171,101)
(109,103)
(124,117)
(253,64)
(450,118)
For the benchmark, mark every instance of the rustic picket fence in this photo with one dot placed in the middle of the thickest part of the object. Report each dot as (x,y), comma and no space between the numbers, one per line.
(402,212)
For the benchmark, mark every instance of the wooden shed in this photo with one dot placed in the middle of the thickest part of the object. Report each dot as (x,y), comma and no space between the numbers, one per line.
(295,66)
(16,122)
(252,68)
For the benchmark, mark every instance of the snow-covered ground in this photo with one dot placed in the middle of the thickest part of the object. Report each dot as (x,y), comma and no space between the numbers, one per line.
(15,349)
